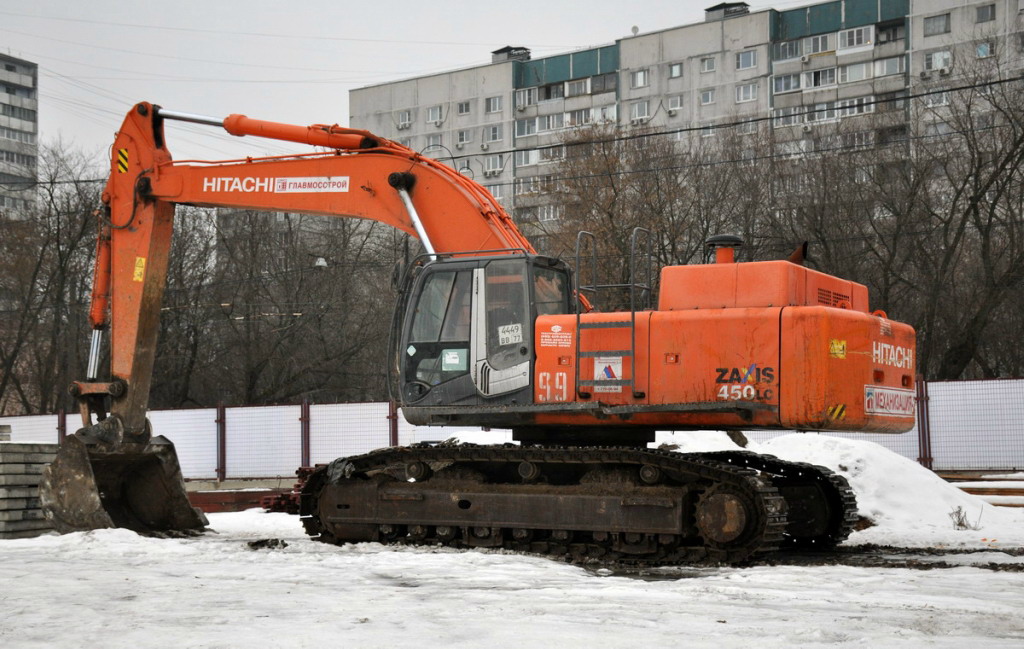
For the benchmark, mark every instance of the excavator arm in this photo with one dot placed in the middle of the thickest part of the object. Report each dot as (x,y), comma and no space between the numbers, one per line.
(354,174)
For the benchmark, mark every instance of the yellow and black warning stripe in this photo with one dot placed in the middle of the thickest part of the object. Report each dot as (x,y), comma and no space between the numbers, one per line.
(122,161)
(837,411)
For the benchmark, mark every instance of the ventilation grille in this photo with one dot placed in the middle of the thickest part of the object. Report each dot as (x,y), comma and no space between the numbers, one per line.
(830,298)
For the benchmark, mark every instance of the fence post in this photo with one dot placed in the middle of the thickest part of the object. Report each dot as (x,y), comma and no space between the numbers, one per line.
(222,442)
(392,423)
(924,427)
(62,425)
(304,412)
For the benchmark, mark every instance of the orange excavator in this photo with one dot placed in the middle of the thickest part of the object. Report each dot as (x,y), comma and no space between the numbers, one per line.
(489,333)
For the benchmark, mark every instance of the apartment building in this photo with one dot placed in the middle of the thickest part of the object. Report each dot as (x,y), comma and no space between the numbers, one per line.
(805,77)
(19,105)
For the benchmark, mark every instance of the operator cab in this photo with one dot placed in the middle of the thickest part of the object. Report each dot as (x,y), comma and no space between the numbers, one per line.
(467,335)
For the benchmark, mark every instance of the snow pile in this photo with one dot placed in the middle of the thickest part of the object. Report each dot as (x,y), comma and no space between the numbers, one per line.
(909,505)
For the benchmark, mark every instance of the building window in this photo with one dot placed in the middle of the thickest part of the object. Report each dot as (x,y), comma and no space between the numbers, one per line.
(934,99)
(819,44)
(495,189)
(854,72)
(577,88)
(639,110)
(935,25)
(551,91)
(404,118)
(604,82)
(525,158)
(463,137)
(746,92)
(17,135)
(551,122)
(639,78)
(986,13)
(823,112)
(787,116)
(746,60)
(707,96)
(707,129)
(855,106)
(463,108)
(747,128)
(675,70)
(892,65)
(549,212)
(552,153)
(941,60)
(890,33)
(675,102)
(434,114)
(787,50)
(493,104)
(580,117)
(856,37)
(526,97)
(406,142)
(820,78)
(492,133)
(786,83)
(526,127)
(707,64)
(493,163)
(984,50)
(606,113)
(434,140)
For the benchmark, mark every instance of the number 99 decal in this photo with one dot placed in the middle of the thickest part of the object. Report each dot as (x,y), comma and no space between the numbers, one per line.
(552,390)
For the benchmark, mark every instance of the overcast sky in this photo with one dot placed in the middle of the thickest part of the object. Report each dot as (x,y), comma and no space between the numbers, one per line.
(290,62)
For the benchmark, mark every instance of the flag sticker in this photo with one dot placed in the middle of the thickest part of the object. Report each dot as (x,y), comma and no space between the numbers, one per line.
(607,368)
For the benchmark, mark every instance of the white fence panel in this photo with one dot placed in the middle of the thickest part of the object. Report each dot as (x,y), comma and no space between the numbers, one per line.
(343,429)
(977,424)
(35,428)
(263,441)
(194,433)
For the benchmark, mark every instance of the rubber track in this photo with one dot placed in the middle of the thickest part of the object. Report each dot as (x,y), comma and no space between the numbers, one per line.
(842,500)
(769,519)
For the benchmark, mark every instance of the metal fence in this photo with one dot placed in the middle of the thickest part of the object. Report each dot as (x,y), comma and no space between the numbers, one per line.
(961,425)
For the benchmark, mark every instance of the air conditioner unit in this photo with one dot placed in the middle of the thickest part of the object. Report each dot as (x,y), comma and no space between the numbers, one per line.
(805,58)
(520,108)
(484,147)
(403,126)
(925,74)
(458,145)
(671,111)
(437,122)
(808,128)
(944,72)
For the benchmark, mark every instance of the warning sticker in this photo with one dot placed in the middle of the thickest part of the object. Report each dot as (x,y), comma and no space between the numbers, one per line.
(608,368)
(837,348)
(140,269)
(889,401)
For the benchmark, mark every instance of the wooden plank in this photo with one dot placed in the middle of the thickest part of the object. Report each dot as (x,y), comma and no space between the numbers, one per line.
(22,515)
(20,480)
(19,492)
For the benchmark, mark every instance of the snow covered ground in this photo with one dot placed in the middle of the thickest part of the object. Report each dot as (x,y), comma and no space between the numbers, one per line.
(112,588)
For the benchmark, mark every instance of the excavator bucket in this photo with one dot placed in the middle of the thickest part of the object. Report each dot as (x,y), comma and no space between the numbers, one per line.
(135,486)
